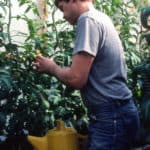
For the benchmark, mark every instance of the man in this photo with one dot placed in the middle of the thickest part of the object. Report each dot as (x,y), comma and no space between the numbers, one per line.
(98,70)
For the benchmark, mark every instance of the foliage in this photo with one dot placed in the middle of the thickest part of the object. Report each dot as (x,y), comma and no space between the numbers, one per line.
(34,102)
(31,101)
(141,77)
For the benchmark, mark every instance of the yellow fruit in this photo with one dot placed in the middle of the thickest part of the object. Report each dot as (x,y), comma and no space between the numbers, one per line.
(38,53)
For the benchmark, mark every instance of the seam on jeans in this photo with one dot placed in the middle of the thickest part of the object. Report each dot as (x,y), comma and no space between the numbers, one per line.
(115,127)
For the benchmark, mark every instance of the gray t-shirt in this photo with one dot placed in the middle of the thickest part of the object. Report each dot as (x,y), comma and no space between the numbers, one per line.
(96,35)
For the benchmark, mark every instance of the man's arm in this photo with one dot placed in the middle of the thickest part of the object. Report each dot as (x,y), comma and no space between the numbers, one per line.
(76,75)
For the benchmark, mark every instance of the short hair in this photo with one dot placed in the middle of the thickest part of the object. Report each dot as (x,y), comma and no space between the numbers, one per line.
(57,1)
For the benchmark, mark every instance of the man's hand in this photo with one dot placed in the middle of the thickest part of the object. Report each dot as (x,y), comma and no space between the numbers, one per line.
(45,65)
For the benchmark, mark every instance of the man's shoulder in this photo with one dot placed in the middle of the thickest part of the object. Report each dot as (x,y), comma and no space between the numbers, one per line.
(94,15)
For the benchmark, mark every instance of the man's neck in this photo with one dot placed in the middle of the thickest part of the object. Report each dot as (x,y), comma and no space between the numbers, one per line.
(86,6)
(90,5)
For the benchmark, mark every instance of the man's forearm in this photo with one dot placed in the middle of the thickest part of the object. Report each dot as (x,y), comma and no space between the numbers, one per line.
(67,76)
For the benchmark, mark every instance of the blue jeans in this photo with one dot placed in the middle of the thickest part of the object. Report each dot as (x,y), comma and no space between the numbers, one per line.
(113,126)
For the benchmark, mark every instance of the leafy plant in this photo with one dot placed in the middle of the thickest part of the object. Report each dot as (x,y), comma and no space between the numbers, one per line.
(34,101)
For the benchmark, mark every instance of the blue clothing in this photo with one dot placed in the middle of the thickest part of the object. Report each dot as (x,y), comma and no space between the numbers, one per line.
(114,118)
(97,36)
(113,126)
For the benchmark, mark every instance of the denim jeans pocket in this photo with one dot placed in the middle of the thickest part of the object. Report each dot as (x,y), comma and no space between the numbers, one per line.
(101,133)
(131,123)
(103,123)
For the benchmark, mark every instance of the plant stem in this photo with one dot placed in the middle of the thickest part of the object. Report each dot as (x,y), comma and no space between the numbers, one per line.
(9,21)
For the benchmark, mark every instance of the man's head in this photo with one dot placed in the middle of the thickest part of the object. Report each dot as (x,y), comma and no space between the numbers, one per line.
(72,9)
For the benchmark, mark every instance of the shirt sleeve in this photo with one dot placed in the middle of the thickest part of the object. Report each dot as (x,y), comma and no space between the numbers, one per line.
(88,36)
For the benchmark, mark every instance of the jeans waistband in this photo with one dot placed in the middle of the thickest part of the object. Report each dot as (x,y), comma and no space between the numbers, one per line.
(109,106)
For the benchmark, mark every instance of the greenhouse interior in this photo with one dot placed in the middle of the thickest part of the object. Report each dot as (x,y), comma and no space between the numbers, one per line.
(34,106)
